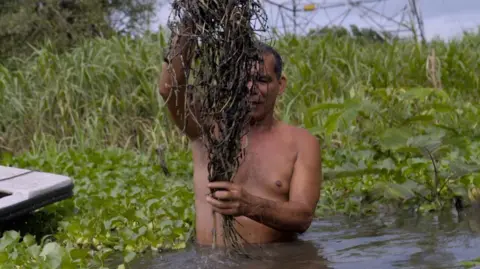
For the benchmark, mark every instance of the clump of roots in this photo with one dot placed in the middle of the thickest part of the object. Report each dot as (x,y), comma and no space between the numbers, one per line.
(225,54)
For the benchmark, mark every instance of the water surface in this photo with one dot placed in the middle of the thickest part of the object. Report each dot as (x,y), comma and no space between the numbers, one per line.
(434,242)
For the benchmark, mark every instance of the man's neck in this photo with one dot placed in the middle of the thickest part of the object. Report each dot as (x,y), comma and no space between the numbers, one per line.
(263,125)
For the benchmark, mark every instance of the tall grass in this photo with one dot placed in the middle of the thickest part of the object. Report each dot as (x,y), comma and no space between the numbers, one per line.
(104,92)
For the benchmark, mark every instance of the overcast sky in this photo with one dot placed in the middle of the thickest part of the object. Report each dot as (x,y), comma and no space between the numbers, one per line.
(444,18)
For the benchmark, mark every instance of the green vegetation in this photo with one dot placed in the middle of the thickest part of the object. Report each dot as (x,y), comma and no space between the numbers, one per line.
(27,24)
(397,133)
(122,204)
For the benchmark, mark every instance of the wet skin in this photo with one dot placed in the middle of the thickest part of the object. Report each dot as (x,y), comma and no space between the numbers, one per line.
(277,186)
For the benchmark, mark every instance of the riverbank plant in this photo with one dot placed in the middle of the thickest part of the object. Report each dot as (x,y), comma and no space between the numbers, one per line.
(398,124)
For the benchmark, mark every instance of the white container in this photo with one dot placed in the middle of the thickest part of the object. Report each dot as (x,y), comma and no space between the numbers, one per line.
(23,191)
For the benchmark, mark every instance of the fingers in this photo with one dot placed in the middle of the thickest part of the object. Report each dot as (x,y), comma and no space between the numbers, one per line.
(223,195)
(228,211)
(219,204)
(220,185)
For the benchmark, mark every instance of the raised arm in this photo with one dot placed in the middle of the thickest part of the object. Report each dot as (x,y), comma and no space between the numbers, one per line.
(172,82)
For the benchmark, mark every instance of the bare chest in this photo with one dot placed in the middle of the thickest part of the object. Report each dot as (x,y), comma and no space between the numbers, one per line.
(265,169)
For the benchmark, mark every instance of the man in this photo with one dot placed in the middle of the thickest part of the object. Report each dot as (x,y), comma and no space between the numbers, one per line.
(277,186)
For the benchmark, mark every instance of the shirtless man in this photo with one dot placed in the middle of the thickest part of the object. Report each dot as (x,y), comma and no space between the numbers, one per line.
(277,186)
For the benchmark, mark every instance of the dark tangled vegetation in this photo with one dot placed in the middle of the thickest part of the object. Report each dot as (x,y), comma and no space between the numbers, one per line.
(223,45)
(394,136)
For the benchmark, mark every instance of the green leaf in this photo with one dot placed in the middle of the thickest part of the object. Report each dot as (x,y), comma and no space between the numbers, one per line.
(325,106)
(34,250)
(400,191)
(387,164)
(460,169)
(431,141)
(332,122)
(8,238)
(419,118)
(419,93)
(28,240)
(79,254)
(52,253)
(443,108)
(3,257)
(129,257)
(394,138)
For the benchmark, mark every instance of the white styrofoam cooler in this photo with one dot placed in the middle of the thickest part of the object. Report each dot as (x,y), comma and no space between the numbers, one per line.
(23,191)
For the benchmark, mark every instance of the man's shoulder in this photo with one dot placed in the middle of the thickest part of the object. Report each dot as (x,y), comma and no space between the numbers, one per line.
(303,137)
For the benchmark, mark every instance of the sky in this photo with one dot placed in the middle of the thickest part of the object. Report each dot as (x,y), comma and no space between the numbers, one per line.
(442,18)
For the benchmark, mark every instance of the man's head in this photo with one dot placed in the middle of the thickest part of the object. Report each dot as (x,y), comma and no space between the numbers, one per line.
(269,83)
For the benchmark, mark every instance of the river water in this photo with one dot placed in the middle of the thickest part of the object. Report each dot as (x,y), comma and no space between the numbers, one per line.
(433,241)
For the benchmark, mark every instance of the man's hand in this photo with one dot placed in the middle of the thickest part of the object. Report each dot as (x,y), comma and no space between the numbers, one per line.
(231,199)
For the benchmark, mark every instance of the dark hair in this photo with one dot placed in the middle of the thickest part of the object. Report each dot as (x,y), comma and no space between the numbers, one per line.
(278,65)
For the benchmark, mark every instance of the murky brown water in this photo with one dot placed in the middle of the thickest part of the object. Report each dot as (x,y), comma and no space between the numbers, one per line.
(440,241)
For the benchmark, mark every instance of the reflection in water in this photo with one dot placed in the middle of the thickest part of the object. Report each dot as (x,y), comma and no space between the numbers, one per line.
(298,255)
(432,241)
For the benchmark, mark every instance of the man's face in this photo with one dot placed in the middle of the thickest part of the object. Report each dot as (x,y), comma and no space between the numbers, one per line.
(266,89)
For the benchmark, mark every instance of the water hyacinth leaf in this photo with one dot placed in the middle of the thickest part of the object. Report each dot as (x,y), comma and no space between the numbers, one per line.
(166,223)
(34,250)
(8,238)
(394,138)
(387,164)
(459,190)
(403,191)
(426,143)
(52,253)
(460,169)
(129,257)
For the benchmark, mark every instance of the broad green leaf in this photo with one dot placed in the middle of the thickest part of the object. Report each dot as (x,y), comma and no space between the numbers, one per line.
(460,169)
(386,164)
(394,138)
(8,238)
(129,257)
(34,250)
(430,141)
(400,191)
(28,240)
(52,253)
